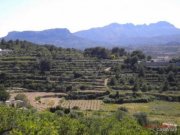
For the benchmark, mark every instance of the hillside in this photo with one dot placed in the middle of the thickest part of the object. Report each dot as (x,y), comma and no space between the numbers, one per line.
(91,73)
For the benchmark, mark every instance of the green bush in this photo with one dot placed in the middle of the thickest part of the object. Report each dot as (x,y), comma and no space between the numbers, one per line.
(141,118)
(4,95)
(124,109)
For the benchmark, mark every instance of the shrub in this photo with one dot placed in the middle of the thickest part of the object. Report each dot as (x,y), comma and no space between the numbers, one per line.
(75,108)
(113,81)
(59,113)
(165,86)
(67,110)
(119,114)
(23,98)
(124,109)
(37,98)
(141,117)
(144,88)
(4,95)
(136,87)
(83,87)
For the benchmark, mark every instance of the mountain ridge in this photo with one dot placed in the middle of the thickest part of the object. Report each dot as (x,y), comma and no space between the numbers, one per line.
(61,37)
(114,34)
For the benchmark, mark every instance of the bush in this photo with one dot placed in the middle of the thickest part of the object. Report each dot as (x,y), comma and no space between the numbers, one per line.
(59,113)
(144,88)
(136,87)
(108,100)
(113,81)
(119,114)
(83,87)
(77,75)
(44,65)
(23,98)
(4,95)
(69,88)
(75,108)
(37,98)
(75,114)
(124,109)
(67,110)
(142,119)
(165,86)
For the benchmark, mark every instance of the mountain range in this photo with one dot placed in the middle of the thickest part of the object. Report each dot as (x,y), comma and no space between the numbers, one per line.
(108,36)
(61,37)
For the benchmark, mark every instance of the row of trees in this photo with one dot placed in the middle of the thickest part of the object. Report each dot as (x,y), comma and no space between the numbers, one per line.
(104,53)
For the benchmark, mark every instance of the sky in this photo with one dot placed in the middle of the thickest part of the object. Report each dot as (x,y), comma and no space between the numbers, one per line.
(20,15)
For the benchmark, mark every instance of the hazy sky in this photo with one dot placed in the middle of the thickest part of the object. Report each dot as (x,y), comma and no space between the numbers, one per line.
(83,14)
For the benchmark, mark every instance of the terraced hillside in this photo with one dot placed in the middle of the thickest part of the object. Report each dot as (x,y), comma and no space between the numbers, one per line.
(95,73)
(144,81)
(47,68)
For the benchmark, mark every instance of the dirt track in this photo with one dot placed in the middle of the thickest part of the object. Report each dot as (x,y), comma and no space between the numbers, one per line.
(49,99)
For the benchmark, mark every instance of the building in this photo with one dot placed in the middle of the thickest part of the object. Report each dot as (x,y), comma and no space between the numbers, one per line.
(15,103)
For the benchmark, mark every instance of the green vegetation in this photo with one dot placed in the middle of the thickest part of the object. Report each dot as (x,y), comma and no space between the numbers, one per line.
(17,122)
(4,95)
(24,99)
(162,111)
(146,81)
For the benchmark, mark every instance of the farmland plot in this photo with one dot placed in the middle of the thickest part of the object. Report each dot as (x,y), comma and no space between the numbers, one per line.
(83,104)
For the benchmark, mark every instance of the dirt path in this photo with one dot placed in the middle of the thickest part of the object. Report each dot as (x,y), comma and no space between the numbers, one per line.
(48,99)
(106,82)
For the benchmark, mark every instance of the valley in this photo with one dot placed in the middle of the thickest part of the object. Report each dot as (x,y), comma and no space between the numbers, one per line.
(89,67)
(96,82)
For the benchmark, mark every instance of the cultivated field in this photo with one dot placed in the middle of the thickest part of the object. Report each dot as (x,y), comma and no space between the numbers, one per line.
(83,104)
(51,99)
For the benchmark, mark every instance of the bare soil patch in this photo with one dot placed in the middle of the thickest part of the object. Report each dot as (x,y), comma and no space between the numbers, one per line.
(47,99)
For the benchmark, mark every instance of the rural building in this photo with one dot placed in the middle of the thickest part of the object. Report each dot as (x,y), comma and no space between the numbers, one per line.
(156,64)
(15,103)
(4,51)
(159,64)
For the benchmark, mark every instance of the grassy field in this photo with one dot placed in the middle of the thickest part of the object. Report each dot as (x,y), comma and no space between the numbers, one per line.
(157,110)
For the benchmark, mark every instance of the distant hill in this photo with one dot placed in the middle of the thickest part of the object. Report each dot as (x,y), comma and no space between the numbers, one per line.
(108,36)
(58,37)
(130,34)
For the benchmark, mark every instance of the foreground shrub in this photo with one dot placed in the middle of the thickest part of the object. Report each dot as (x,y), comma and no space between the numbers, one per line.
(142,118)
